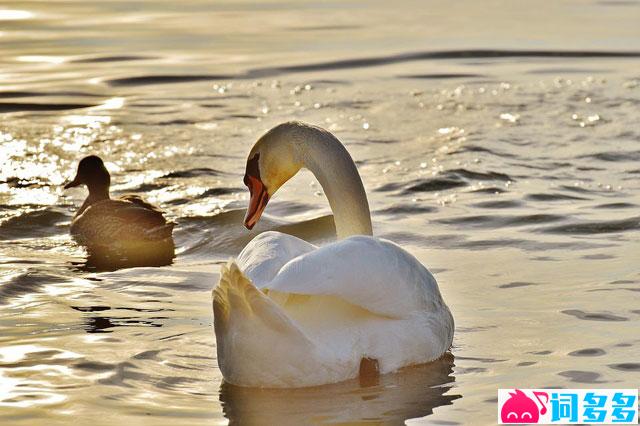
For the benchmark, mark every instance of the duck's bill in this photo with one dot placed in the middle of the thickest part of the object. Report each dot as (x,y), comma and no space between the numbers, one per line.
(72,184)
(257,202)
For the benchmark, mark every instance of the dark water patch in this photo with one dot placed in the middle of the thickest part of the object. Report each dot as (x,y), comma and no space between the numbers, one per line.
(433,184)
(175,383)
(615,156)
(406,209)
(482,149)
(440,55)
(615,206)
(526,363)
(599,227)
(499,221)
(36,223)
(588,352)
(594,316)
(516,284)
(596,290)
(581,376)
(113,58)
(145,187)
(212,105)
(546,352)
(94,366)
(29,106)
(389,187)
(105,324)
(545,259)
(191,173)
(500,204)
(463,370)
(626,366)
(10,94)
(490,190)
(577,189)
(590,169)
(151,354)
(96,308)
(553,197)
(622,282)
(147,80)
(474,175)
(441,76)
(598,256)
(215,192)
(175,122)
(382,141)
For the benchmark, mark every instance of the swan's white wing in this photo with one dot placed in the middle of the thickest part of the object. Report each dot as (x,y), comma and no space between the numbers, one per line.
(263,257)
(368,272)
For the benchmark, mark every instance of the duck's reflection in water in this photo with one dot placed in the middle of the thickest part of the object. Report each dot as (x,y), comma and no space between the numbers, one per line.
(391,399)
(105,258)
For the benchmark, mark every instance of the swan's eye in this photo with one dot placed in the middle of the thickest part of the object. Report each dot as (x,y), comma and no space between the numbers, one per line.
(512,413)
(526,413)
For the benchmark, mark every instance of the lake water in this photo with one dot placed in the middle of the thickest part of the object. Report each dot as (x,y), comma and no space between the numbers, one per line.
(498,141)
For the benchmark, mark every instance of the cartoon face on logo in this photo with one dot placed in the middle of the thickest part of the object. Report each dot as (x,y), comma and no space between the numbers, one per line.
(519,408)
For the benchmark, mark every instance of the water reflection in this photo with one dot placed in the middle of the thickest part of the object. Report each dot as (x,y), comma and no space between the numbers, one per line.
(104,258)
(104,324)
(411,393)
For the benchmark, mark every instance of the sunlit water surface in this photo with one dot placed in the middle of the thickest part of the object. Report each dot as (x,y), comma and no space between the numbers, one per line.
(514,176)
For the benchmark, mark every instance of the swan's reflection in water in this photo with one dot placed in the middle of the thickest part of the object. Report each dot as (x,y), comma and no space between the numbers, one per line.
(393,398)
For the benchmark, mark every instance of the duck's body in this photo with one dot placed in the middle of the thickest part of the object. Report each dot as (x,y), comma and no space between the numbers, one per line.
(290,314)
(127,223)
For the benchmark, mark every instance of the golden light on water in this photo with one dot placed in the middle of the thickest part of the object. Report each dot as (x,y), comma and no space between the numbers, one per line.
(15,15)
(55,60)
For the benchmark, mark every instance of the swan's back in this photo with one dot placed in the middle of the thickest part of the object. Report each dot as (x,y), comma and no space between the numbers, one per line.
(368,272)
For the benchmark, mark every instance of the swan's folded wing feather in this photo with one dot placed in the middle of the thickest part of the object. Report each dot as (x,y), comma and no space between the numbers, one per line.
(371,273)
(263,257)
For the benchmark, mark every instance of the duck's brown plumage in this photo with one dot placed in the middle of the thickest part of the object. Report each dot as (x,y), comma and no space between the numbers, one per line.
(125,223)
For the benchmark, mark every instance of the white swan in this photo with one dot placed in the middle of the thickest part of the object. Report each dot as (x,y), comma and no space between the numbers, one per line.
(290,314)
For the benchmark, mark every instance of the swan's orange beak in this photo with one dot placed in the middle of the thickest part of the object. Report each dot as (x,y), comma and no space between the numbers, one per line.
(258,200)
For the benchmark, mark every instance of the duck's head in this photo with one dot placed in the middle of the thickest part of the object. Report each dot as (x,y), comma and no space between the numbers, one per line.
(273,160)
(93,173)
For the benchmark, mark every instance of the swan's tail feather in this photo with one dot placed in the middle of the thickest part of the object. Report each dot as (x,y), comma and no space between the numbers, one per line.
(235,298)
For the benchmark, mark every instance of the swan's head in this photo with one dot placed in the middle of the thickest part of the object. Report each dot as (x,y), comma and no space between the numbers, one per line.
(91,172)
(273,160)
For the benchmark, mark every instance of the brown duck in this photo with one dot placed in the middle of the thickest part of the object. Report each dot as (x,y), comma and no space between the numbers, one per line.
(127,223)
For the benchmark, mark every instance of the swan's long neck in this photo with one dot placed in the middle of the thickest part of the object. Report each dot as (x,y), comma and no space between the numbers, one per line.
(331,164)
